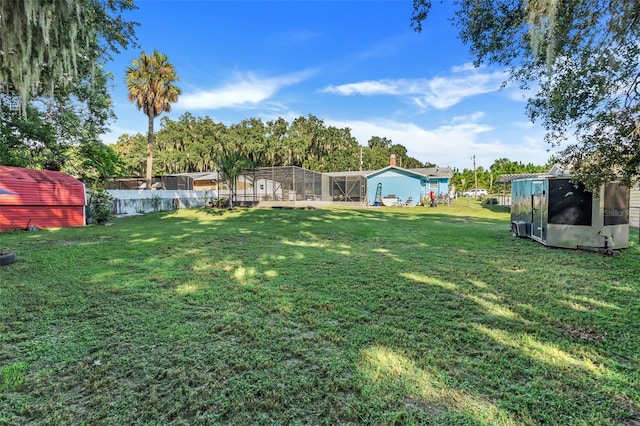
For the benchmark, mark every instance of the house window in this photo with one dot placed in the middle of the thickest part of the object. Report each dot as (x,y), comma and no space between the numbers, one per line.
(433,184)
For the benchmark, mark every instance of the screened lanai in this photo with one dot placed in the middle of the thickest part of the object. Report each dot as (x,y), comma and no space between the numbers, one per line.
(287,183)
(350,187)
(292,183)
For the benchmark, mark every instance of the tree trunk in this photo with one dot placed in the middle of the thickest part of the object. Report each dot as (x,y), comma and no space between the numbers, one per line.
(150,150)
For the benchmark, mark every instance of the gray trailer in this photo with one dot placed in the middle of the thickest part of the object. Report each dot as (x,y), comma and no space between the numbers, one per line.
(560,213)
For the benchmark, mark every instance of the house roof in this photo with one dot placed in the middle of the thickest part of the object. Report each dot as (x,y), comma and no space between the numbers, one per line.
(440,172)
(428,172)
(199,175)
(349,173)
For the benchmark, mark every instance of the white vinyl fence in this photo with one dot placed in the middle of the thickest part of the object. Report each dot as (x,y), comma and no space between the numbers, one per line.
(129,202)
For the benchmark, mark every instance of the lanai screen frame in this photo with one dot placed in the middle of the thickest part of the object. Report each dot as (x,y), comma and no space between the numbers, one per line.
(294,183)
(285,183)
(348,188)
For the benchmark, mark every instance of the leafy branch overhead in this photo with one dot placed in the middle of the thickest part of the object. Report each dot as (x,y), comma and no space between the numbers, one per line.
(54,97)
(582,59)
(46,48)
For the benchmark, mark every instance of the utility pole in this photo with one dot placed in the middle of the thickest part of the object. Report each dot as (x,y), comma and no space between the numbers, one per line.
(475,176)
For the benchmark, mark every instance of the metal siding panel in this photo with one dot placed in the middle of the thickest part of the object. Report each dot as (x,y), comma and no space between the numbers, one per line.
(615,199)
(634,204)
(521,200)
(19,217)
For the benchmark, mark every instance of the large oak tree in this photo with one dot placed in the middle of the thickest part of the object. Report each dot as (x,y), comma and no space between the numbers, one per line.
(54,101)
(581,58)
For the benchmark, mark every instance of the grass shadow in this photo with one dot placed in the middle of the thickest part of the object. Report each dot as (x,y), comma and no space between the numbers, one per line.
(377,316)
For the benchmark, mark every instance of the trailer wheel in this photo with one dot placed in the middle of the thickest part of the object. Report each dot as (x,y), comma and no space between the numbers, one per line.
(7,258)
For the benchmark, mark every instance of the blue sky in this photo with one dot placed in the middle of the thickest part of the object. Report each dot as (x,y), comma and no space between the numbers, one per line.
(351,63)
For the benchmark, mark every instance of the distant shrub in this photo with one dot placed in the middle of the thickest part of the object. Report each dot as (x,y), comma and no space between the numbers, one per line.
(99,205)
(490,200)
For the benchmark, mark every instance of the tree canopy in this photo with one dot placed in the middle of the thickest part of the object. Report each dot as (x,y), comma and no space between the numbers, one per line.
(465,179)
(581,59)
(196,144)
(54,101)
(48,46)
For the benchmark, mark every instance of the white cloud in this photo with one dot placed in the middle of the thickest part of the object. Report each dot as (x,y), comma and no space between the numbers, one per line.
(439,92)
(446,145)
(115,132)
(476,116)
(524,124)
(466,67)
(443,92)
(452,144)
(246,89)
(381,87)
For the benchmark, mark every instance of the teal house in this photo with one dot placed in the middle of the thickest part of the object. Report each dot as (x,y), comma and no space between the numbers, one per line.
(395,185)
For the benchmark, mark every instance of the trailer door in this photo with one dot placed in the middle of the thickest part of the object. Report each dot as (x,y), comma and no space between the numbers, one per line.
(537,209)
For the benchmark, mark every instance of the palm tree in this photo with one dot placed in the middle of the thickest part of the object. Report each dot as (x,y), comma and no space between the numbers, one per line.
(231,166)
(150,81)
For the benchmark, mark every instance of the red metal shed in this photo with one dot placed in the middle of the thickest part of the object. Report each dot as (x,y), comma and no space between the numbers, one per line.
(41,198)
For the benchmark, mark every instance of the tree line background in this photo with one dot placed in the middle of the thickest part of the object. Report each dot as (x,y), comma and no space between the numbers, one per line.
(199,144)
(44,140)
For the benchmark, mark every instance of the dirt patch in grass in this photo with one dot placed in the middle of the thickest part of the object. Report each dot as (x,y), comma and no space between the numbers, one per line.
(584,333)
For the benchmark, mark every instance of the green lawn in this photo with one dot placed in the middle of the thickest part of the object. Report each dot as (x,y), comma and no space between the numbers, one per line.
(372,316)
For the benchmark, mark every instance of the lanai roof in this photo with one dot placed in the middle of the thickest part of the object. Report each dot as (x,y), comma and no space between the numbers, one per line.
(280,172)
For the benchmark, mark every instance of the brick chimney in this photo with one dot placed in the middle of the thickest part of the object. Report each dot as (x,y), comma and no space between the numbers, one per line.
(392,160)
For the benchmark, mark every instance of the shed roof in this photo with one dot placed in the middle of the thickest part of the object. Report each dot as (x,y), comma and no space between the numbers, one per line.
(506,178)
(39,187)
(556,170)
(40,176)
